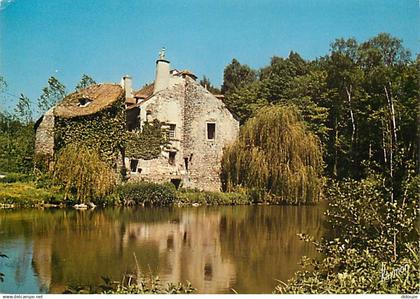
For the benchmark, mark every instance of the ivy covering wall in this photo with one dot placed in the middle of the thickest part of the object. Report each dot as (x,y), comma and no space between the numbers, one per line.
(147,143)
(105,131)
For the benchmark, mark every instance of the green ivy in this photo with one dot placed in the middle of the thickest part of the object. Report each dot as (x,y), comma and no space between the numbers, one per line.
(105,131)
(146,144)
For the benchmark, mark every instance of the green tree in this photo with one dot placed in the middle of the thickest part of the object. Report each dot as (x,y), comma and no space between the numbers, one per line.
(236,76)
(205,82)
(82,173)
(276,156)
(23,109)
(51,95)
(85,81)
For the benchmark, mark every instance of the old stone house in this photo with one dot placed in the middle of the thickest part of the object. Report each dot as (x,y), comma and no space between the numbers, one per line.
(197,125)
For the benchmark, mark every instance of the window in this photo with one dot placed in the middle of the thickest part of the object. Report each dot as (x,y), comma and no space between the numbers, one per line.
(171,131)
(171,159)
(211,131)
(148,116)
(186,163)
(133,165)
(84,102)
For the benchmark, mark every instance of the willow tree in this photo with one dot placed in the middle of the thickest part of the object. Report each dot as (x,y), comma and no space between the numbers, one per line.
(275,155)
(82,173)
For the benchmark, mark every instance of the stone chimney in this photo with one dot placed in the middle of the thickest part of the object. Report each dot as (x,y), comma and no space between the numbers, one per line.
(126,84)
(162,72)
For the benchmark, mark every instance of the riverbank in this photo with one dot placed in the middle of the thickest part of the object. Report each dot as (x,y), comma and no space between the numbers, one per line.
(28,194)
(25,191)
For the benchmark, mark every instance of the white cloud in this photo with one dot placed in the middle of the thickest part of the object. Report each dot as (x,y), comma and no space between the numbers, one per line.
(5,3)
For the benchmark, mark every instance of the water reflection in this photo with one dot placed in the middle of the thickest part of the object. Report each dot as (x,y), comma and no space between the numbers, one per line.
(245,248)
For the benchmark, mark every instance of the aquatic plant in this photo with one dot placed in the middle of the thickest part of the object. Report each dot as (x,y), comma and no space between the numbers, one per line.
(276,158)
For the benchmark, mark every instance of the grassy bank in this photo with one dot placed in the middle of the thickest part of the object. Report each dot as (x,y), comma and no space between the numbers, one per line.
(20,190)
(27,194)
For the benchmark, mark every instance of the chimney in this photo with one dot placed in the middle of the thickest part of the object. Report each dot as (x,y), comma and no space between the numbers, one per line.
(126,84)
(162,72)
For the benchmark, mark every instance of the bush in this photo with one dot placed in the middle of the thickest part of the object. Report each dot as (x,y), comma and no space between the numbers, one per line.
(145,193)
(185,196)
(370,237)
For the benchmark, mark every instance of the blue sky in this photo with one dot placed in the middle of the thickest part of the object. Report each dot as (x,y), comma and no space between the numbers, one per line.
(109,38)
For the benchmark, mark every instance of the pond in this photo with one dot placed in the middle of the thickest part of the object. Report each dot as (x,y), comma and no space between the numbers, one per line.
(217,249)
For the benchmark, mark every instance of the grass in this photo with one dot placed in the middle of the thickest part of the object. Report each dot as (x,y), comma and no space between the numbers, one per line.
(26,194)
(187,196)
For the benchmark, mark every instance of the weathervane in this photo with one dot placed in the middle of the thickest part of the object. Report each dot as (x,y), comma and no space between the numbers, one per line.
(162,53)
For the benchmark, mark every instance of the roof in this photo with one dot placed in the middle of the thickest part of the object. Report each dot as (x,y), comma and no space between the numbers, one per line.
(89,100)
(187,73)
(145,92)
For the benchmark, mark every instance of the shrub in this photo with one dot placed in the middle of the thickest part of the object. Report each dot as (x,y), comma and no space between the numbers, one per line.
(146,193)
(371,236)
(275,154)
(186,196)
(81,172)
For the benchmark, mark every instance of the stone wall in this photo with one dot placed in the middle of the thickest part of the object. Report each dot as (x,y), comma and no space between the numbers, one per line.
(44,137)
(201,108)
(189,107)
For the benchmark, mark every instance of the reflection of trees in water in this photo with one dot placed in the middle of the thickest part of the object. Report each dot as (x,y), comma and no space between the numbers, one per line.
(263,242)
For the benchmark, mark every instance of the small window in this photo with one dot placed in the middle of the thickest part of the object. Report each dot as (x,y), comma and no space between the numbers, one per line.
(211,131)
(171,159)
(148,116)
(171,131)
(84,102)
(186,163)
(133,165)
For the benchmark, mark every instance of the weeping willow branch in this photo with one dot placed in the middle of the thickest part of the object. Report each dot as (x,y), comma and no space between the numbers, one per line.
(82,173)
(277,155)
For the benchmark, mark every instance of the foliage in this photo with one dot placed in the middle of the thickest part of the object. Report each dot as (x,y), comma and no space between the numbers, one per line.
(85,81)
(134,284)
(275,154)
(16,177)
(16,144)
(82,173)
(187,196)
(51,95)
(146,144)
(205,82)
(372,236)
(2,274)
(23,110)
(27,194)
(103,131)
(236,76)
(145,193)
(360,99)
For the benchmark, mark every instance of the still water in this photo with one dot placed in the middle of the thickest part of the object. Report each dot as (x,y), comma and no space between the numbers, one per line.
(217,249)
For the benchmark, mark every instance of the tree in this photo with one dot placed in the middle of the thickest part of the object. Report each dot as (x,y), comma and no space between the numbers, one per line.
(236,76)
(85,81)
(23,109)
(82,173)
(276,156)
(205,82)
(51,95)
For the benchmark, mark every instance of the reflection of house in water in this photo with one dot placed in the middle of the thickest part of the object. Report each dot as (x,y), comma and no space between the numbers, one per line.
(41,262)
(192,249)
